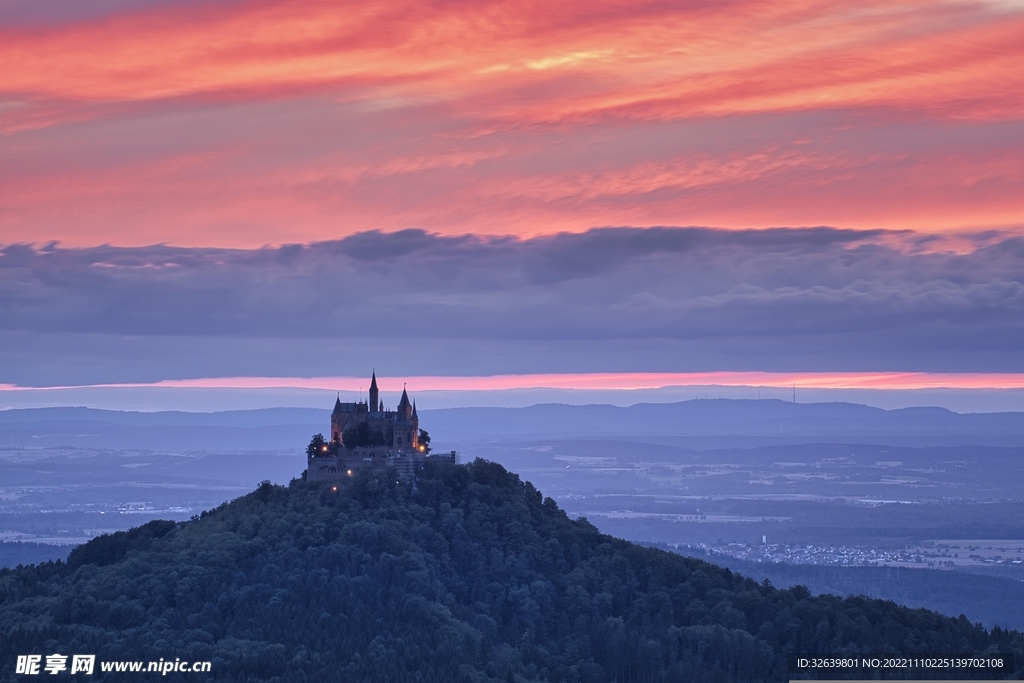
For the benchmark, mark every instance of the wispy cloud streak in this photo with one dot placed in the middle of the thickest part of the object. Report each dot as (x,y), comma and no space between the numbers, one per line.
(900,381)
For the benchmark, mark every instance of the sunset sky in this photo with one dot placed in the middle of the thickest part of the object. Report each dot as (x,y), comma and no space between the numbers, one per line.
(253,188)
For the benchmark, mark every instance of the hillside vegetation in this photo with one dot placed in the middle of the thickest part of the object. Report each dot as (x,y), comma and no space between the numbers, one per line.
(468,574)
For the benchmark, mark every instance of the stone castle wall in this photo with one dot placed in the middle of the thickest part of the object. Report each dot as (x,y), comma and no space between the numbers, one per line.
(346,463)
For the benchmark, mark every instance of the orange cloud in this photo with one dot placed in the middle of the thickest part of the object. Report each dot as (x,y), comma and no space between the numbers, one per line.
(641,59)
(506,117)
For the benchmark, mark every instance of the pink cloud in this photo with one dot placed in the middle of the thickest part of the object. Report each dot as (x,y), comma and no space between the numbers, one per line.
(245,123)
(599,381)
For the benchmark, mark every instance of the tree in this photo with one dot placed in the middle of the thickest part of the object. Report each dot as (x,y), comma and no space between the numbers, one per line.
(364,434)
(361,435)
(317,447)
(424,441)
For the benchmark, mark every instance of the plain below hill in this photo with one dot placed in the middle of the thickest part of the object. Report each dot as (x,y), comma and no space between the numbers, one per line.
(991,600)
(13,553)
(465,574)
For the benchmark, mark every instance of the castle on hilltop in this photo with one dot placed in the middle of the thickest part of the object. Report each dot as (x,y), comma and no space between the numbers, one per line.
(366,434)
(361,421)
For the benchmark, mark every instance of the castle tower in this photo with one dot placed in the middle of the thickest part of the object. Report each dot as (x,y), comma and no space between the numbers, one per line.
(336,421)
(415,420)
(374,394)
(405,406)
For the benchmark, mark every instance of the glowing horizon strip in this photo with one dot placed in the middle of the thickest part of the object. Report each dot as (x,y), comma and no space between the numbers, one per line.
(624,381)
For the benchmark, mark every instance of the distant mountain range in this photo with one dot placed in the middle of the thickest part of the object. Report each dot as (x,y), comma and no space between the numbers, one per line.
(697,423)
(265,429)
(771,419)
(172,418)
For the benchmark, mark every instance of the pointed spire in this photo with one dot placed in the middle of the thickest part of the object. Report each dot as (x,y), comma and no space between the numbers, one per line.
(337,403)
(414,409)
(404,406)
(374,398)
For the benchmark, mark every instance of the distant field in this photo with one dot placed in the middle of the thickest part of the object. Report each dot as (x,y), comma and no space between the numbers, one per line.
(977,551)
(69,495)
(991,600)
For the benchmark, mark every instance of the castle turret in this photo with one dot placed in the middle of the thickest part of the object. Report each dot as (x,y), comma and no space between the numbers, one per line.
(374,394)
(404,405)
(415,431)
(336,420)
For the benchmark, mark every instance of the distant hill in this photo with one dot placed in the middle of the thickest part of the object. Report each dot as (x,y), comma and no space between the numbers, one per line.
(748,422)
(716,423)
(468,575)
(264,429)
(262,417)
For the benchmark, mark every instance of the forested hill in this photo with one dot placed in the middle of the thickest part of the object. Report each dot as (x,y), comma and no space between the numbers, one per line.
(467,575)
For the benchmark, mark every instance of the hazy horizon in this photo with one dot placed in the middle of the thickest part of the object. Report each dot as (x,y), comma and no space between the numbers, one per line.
(218,400)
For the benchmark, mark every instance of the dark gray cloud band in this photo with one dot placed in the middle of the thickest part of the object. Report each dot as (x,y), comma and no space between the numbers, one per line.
(680,298)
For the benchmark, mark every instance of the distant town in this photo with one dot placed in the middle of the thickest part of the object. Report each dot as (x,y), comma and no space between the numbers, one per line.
(938,556)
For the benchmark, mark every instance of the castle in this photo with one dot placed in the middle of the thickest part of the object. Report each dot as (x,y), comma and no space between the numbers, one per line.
(365,434)
(398,429)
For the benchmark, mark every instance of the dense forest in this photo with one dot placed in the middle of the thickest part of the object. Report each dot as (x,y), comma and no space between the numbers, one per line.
(464,574)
